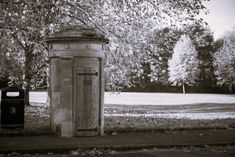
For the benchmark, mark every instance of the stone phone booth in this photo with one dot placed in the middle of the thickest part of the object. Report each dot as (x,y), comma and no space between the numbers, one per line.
(76,82)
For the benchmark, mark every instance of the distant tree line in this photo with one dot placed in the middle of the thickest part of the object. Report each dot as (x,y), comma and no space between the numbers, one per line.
(196,60)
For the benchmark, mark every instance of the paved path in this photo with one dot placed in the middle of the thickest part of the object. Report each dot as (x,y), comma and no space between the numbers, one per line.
(127,141)
(228,151)
(185,152)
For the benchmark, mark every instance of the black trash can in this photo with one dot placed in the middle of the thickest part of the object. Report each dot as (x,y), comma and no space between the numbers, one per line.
(12,108)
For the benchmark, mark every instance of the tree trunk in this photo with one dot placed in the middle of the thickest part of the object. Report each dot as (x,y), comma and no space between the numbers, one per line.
(183,88)
(231,88)
(28,71)
(26,97)
(27,87)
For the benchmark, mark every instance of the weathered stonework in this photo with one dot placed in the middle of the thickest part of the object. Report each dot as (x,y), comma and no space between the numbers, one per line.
(76,82)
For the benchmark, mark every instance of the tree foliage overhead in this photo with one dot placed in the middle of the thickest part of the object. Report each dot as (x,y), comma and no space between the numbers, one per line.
(25,23)
(130,25)
(132,21)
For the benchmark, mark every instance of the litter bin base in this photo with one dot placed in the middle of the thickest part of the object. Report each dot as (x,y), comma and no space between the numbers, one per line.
(12,126)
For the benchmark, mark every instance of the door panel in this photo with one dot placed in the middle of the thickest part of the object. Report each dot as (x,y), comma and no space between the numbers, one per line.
(86,97)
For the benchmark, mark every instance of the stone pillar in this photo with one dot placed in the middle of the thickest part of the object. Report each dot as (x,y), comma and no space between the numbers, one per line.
(76,82)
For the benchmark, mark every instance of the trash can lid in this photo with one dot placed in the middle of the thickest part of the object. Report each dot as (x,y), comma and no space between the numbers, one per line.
(12,93)
(13,88)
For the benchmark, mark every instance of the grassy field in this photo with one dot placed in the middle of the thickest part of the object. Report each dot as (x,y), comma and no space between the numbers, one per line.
(148,111)
(163,105)
(126,98)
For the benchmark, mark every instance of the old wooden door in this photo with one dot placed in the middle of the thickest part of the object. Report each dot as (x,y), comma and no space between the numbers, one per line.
(86,96)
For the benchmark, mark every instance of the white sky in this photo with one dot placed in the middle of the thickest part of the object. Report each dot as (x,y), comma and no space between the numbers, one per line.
(221,17)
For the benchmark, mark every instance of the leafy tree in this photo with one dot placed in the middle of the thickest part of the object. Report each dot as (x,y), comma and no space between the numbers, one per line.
(5,60)
(160,51)
(183,66)
(117,68)
(203,40)
(224,60)
(11,70)
(156,54)
(130,26)
(24,24)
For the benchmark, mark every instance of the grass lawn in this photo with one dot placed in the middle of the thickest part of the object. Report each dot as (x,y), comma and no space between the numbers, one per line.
(148,111)
(126,98)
